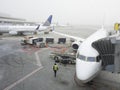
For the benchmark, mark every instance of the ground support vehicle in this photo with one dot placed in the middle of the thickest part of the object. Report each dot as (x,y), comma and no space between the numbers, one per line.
(64,58)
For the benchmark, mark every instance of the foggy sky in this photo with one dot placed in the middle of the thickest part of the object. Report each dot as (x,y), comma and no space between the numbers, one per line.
(89,12)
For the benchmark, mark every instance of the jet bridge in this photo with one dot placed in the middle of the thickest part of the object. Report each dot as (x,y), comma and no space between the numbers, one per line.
(106,50)
(109,51)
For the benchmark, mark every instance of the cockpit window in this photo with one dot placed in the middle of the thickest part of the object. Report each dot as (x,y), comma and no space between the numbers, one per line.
(88,59)
(91,59)
(82,57)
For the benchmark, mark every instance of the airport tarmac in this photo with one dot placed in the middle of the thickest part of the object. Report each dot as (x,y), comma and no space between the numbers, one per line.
(30,68)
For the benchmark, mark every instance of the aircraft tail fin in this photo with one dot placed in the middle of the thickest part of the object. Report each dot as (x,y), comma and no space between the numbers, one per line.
(48,21)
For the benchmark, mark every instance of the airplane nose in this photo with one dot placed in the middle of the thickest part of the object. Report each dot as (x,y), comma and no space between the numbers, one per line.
(86,70)
(82,74)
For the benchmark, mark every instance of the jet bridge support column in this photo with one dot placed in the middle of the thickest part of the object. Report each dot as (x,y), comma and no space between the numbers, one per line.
(116,42)
(117,57)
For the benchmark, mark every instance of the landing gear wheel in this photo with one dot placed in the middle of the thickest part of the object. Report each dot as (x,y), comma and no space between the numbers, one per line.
(78,82)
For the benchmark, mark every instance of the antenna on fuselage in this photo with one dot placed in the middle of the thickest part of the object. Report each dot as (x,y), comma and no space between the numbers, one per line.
(103,22)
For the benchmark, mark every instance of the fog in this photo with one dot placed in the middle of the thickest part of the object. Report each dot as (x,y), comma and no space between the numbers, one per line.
(74,12)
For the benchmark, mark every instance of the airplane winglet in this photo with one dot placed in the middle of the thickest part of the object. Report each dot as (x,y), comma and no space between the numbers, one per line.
(37,27)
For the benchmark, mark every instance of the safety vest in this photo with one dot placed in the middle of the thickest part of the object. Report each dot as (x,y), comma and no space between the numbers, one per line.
(55,67)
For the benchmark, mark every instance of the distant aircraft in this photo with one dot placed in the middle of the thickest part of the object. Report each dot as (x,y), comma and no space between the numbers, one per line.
(88,63)
(20,30)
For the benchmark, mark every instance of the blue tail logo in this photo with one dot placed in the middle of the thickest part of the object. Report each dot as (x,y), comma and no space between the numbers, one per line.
(48,21)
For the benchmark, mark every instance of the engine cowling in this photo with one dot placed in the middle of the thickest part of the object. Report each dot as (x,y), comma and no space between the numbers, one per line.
(75,45)
(13,33)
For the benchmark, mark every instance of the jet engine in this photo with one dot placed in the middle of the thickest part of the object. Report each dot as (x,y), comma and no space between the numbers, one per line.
(13,33)
(75,45)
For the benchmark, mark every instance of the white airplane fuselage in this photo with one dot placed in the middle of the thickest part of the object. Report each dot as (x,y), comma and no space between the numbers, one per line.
(44,28)
(6,28)
(14,30)
(87,65)
(88,61)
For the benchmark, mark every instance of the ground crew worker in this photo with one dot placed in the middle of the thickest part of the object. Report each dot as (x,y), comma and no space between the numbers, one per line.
(55,69)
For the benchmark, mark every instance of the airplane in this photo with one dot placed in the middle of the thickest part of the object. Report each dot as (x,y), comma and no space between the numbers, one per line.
(88,63)
(20,30)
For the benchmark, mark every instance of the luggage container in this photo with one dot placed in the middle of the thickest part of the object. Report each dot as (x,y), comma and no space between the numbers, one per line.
(40,39)
(49,40)
(62,40)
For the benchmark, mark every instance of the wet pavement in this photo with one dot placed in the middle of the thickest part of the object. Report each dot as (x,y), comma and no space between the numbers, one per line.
(19,70)
(22,69)
(44,79)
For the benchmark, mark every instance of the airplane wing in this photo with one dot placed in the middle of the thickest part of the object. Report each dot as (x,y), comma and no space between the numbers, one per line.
(73,37)
(75,45)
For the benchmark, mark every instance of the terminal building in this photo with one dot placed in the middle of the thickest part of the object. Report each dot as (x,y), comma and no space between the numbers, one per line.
(7,19)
